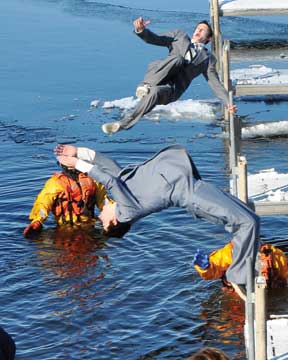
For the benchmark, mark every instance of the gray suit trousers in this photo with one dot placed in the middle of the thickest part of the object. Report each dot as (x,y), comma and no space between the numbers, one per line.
(209,203)
(161,92)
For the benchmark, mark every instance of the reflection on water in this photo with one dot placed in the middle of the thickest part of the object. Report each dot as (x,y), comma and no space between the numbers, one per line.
(72,258)
(224,320)
(70,252)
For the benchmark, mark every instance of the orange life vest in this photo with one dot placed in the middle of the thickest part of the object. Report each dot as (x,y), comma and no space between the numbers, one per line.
(273,266)
(77,198)
(269,271)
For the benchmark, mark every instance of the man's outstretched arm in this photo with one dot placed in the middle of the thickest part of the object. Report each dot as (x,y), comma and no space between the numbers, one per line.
(128,208)
(213,80)
(90,156)
(150,37)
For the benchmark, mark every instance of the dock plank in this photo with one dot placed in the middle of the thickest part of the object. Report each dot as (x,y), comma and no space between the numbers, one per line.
(270,208)
(259,89)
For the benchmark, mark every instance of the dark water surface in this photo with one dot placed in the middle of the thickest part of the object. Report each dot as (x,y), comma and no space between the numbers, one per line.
(67,295)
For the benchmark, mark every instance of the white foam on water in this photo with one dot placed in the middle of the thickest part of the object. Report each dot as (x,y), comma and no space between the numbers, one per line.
(270,129)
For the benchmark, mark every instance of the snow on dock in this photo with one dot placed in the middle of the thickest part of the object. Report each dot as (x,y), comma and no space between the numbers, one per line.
(277,344)
(252,8)
(259,80)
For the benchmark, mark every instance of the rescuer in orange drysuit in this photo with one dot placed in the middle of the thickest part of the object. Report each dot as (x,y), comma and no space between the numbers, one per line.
(71,196)
(274,264)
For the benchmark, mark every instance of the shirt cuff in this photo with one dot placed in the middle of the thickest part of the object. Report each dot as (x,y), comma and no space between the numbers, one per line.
(86,154)
(83,166)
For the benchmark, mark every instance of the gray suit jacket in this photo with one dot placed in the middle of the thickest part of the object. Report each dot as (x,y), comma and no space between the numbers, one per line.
(163,181)
(167,180)
(178,44)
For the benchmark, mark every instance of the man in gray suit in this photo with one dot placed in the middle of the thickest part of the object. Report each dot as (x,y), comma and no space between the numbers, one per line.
(167,79)
(169,179)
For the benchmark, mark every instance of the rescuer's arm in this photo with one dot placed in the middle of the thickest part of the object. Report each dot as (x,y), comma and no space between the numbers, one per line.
(214,265)
(42,206)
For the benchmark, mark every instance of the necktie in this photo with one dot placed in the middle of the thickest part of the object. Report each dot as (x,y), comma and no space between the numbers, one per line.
(192,52)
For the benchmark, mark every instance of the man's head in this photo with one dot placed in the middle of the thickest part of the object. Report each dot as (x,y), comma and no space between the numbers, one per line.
(202,33)
(209,353)
(111,226)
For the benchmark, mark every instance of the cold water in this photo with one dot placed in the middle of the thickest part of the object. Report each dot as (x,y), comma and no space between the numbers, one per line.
(77,295)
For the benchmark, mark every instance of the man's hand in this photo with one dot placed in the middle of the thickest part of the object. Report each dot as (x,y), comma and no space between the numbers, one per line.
(201,259)
(232,109)
(139,24)
(66,150)
(69,161)
(32,228)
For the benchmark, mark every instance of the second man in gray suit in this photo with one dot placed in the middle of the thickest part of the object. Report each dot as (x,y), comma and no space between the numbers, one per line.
(168,179)
(167,79)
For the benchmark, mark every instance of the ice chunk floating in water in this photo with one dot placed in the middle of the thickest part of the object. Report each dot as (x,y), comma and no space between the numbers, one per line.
(185,109)
(94,103)
(181,109)
(270,129)
(124,104)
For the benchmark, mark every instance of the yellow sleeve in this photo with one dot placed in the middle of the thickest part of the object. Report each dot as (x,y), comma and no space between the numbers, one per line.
(101,195)
(280,263)
(219,260)
(45,200)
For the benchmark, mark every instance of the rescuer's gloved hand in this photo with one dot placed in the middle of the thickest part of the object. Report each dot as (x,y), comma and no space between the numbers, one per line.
(201,259)
(31,228)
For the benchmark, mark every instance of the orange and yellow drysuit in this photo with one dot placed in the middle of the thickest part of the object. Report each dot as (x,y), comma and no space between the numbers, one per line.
(71,202)
(274,264)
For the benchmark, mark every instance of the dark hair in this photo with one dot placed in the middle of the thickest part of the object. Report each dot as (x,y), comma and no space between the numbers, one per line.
(210,31)
(118,230)
(209,353)
(72,173)
(7,345)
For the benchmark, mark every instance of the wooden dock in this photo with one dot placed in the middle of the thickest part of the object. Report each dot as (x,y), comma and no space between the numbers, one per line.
(219,8)
(280,89)
(266,338)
